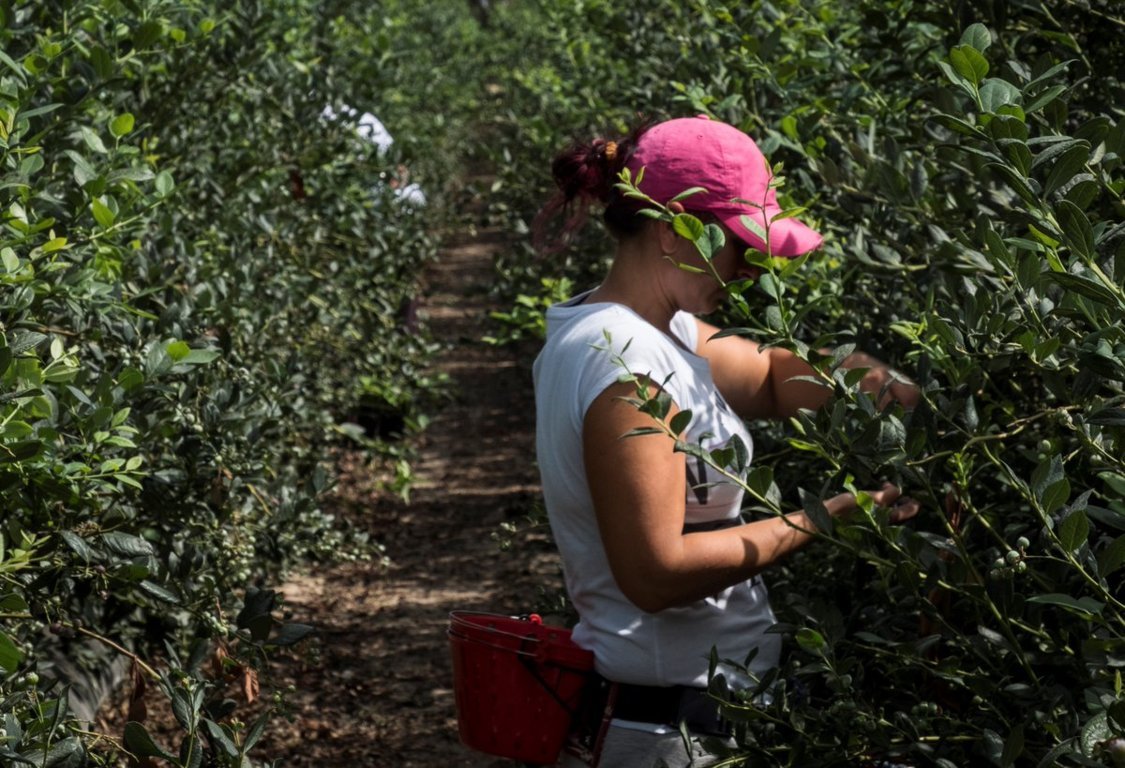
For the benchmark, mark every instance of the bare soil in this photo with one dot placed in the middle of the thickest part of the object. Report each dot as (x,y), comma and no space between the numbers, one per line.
(377,688)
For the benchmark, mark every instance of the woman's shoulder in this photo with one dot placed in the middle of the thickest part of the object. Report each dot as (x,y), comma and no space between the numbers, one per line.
(601,325)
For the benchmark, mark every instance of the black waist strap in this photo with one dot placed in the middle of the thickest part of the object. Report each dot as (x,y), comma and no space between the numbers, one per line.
(670,705)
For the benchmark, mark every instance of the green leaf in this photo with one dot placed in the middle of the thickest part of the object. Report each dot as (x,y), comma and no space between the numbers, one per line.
(12,602)
(1084,286)
(218,736)
(811,640)
(1072,161)
(160,593)
(717,238)
(996,93)
(1085,606)
(258,602)
(788,213)
(1017,182)
(66,753)
(1112,557)
(17,70)
(102,213)
(741,454)
(814,508)
(1094,732)
(54,244)
(687,193)
(752,224)
(147,34)
(93,140)
(140,743)
(951,122)
(290,634)
(130,378)
(256,731)
(102,62)
(1013,747)
(79,546)
(1076,229)
(164,184)
(126,544)
(21,450)
(969,63)
(182,708)
(1115,482)
(680,422)
(1074,530)
(1048,473)
(10,656)
(199,357)
(178,350)
(121,125)
(259,627)
(688,226)
(191,752)
(977,36)
(770,285)
(1046,97)
(1056,495)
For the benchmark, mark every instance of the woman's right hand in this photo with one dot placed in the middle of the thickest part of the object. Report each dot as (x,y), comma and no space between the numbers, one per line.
(890,495)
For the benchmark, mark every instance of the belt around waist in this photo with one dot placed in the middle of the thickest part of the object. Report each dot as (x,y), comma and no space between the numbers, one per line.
(670,705)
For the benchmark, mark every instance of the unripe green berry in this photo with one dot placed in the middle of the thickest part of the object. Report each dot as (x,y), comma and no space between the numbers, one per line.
(1012,557)
(1022,542)
(1021,567)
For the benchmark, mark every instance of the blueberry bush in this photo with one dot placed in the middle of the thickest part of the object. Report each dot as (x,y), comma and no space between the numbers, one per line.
(208,279)
(965,166)
(208,282)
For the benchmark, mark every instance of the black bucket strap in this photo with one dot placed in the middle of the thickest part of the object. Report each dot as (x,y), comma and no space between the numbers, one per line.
(531,661)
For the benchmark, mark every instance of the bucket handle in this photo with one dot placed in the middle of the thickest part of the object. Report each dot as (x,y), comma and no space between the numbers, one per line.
(523,654)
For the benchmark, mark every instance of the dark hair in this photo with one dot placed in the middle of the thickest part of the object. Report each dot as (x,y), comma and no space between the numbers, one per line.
(586,174)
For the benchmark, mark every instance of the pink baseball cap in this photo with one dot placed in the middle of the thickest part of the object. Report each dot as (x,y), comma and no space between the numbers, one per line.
(701,152)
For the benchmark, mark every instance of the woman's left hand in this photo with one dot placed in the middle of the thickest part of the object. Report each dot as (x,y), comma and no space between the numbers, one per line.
(881,378)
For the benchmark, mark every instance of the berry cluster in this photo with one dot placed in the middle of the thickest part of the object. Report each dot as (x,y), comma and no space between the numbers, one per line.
(1012,563)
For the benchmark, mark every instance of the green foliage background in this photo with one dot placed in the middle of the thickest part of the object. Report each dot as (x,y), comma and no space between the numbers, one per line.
(202,284)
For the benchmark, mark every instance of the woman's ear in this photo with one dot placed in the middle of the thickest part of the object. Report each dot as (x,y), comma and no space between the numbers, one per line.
(669,240)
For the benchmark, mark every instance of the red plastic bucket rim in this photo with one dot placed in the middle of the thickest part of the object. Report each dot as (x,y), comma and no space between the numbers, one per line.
(523,636)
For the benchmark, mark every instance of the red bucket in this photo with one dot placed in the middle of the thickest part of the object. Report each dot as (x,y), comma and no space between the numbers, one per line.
(518,684)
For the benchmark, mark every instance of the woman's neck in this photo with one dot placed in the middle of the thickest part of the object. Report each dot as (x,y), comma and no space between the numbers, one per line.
(634,281)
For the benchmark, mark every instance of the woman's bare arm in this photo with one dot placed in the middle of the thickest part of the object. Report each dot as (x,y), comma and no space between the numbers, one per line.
(638,485)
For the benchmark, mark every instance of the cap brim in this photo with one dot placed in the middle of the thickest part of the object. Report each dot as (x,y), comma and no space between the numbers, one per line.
(789,238)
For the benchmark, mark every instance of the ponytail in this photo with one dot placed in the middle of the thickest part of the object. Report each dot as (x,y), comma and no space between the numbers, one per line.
(586,174)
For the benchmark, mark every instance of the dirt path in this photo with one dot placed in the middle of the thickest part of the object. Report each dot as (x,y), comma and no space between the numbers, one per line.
(376,690)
